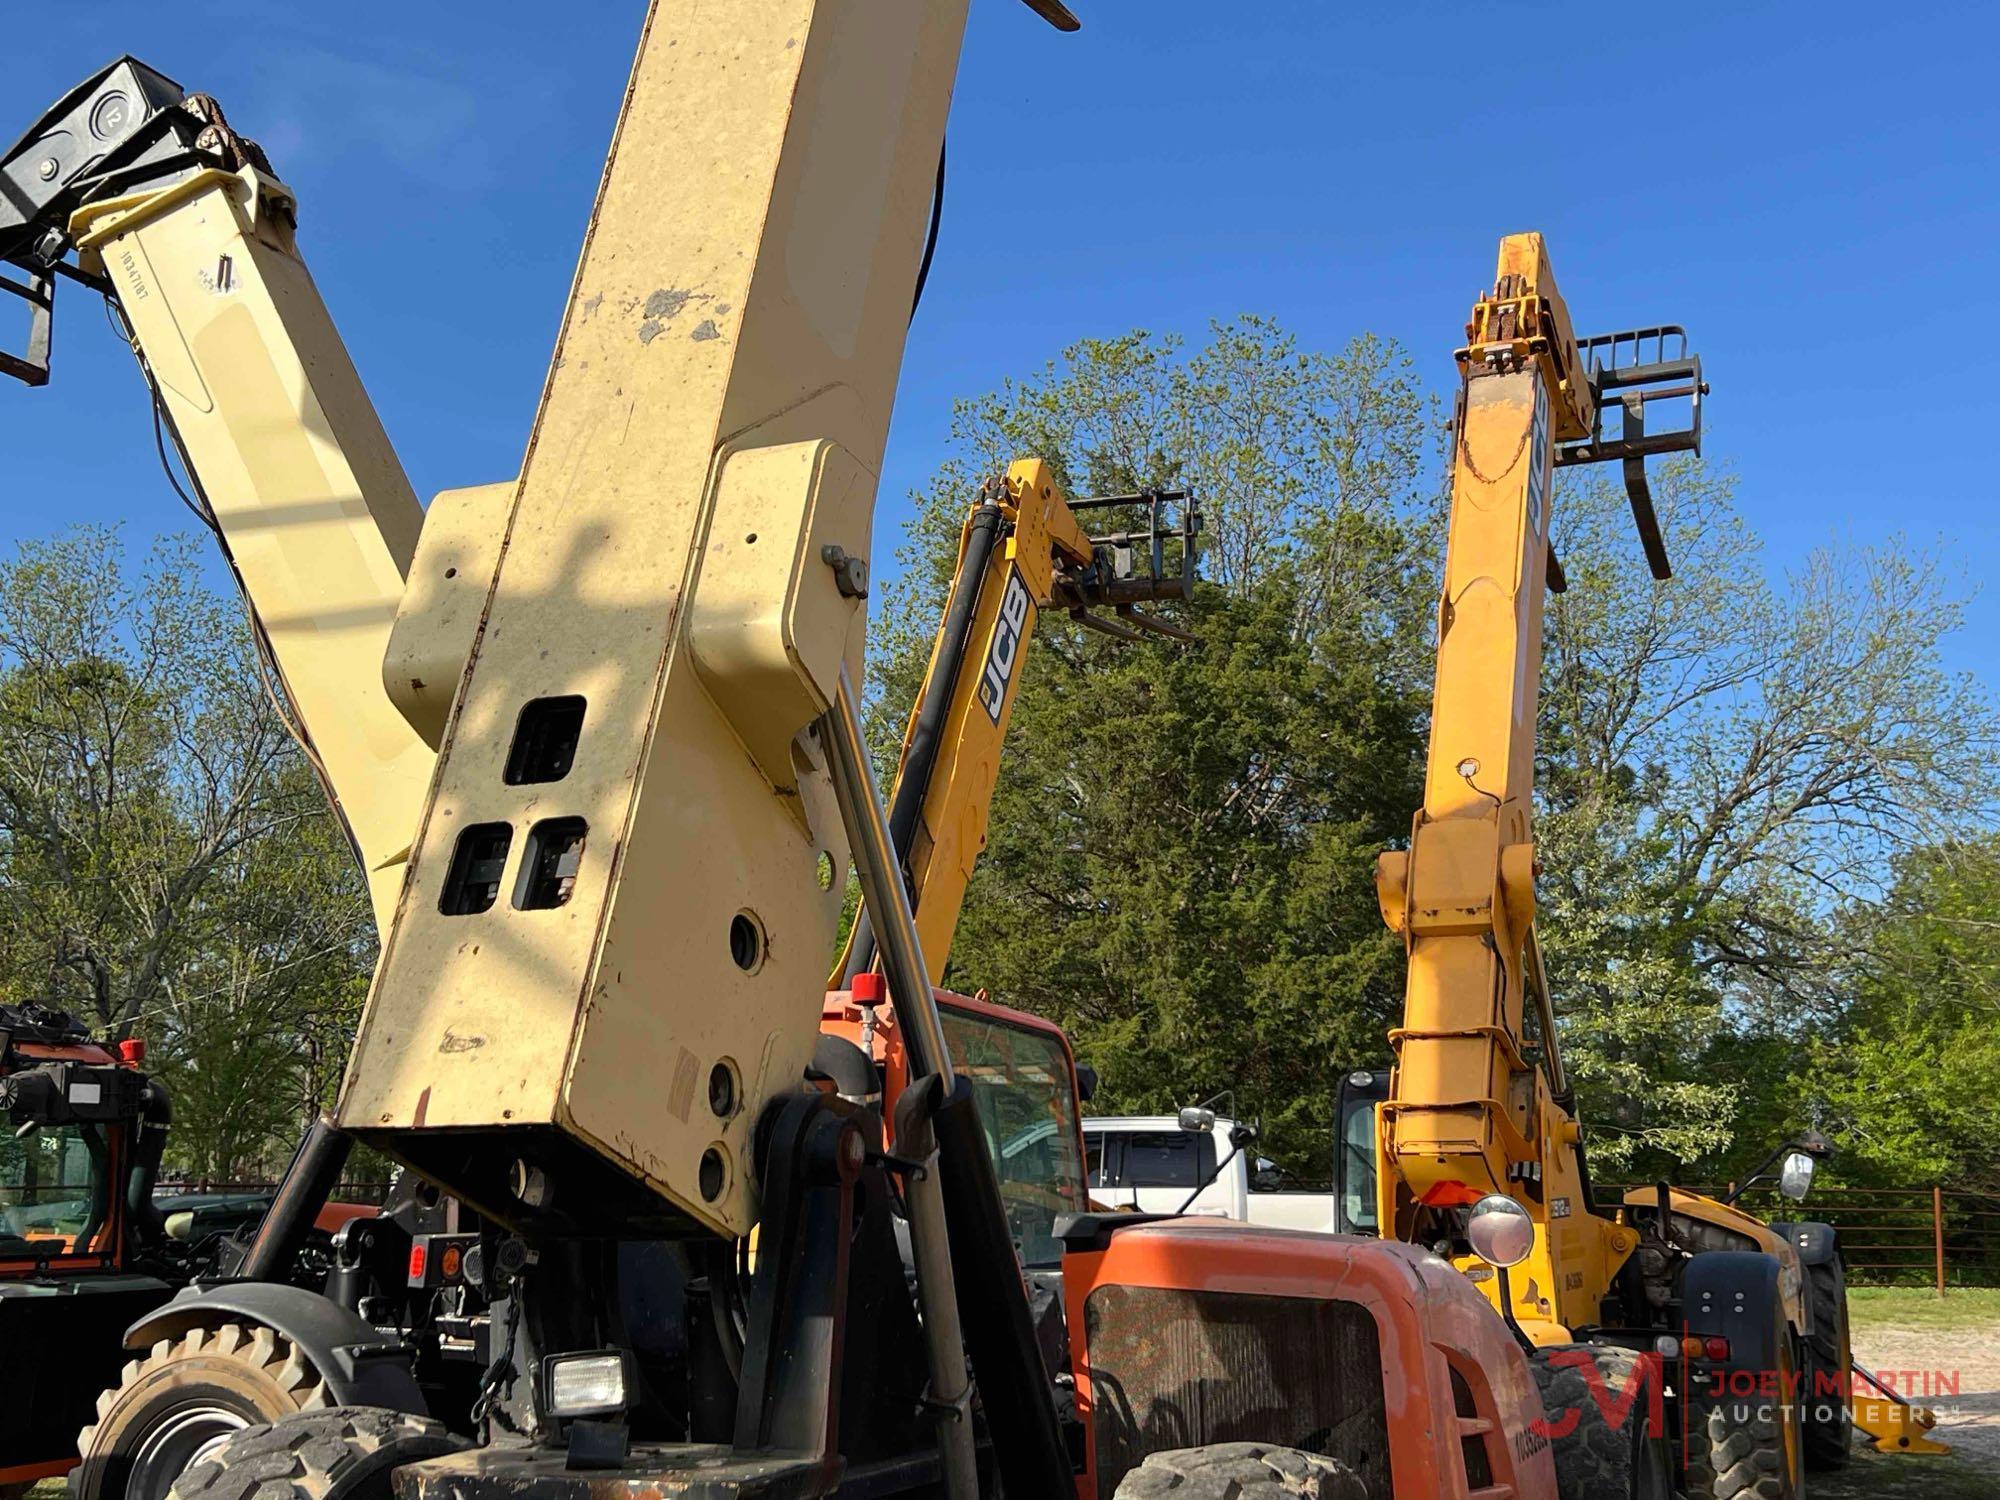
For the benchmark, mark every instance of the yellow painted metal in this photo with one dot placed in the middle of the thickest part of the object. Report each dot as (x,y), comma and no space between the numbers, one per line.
(442,603)
(313,508)
(1467,1112)
(717,406)
(1896,1426)
(1752,1232)
(1018,585)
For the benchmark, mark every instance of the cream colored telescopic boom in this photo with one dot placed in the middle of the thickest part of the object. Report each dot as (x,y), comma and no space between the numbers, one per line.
(181,225)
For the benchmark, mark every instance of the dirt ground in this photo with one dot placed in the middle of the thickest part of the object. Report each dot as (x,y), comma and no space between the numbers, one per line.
(1950,1348)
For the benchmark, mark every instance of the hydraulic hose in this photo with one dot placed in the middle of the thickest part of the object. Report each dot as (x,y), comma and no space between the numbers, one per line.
(927,735)
(156,1117)
(308,1183)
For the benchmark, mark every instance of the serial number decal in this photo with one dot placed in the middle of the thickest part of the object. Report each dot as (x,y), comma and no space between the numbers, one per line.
(1005,652)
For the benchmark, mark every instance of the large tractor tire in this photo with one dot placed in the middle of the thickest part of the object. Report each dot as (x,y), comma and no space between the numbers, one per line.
(1230,1471)
(1748,1448)
(1828,1370)
(1601,1404)
(182,1400)
(340,1453)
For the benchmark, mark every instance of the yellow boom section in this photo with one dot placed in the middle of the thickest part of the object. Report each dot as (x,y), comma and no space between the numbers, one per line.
(1021,550)
(304,491)
(610,948)
(1468,1113)
(1012,582)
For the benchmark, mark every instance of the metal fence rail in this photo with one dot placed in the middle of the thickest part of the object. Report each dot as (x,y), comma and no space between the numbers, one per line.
(1904,1236)
(346,1192)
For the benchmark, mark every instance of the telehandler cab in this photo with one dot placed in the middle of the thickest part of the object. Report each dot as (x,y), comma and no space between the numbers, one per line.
(83,1251)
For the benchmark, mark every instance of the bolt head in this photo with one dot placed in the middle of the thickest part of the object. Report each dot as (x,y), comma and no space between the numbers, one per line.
(49,167)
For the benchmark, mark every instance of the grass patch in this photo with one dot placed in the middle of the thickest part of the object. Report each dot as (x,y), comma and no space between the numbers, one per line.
(1923,1309)
(1889,1476)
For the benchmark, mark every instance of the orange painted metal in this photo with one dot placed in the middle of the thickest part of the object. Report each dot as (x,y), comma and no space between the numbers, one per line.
(841,1017)
(1429,1320)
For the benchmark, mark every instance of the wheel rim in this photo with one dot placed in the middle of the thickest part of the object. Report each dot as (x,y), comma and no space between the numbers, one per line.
(183,1440)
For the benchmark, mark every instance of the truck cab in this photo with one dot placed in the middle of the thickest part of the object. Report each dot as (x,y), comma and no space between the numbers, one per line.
(1156,1164)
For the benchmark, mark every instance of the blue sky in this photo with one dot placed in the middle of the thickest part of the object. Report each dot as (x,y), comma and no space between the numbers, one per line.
(1810,189)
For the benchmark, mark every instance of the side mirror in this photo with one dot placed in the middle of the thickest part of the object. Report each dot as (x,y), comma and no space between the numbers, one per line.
(1501,1231)
(1196,1120)
(1086,1083)
(1795,1177)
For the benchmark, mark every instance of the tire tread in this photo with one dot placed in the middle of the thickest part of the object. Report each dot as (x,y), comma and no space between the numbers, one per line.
(339,1453)
(1238,1471)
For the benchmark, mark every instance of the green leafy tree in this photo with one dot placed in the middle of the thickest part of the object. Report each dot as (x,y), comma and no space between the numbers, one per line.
(168,867)
(1182,846)
(1906,1077)
(1729,766)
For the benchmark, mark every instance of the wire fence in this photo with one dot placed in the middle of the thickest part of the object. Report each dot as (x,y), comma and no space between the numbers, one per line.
(370,1193)
(1914,1236)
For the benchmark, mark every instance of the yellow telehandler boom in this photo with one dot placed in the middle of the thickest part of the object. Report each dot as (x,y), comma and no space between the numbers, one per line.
(1021,550)
(254,390)
(1479,1152)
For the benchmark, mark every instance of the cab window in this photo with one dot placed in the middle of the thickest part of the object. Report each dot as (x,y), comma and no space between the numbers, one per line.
(1167,1158)
(1357,1145)
(1025,1093)
(55,1196)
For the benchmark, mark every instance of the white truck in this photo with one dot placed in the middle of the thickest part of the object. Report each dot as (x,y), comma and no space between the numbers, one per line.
(1156,1163)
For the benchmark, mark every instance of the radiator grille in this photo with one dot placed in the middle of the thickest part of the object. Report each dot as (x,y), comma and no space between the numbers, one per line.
(1179,1369)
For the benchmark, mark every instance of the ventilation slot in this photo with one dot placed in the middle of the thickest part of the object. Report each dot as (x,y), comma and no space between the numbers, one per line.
(472,884)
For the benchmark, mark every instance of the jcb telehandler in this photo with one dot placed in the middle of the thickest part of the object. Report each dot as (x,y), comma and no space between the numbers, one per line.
(598,1009)
(1720,1341)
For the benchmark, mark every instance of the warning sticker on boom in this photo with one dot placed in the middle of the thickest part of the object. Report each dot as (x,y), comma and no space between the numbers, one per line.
(1005,652)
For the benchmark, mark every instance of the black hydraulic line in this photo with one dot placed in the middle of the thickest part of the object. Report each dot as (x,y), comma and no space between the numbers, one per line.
(308,1182)
(931,236)
(927,738)
(999,1330)
(156,1117)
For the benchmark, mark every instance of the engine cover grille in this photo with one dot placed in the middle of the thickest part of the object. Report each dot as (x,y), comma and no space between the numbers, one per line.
(1180,1369)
